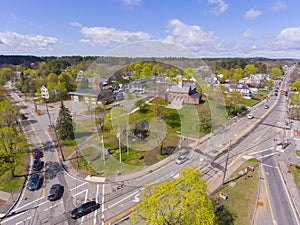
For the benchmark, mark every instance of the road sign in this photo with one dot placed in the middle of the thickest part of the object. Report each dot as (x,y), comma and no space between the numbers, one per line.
(44,92)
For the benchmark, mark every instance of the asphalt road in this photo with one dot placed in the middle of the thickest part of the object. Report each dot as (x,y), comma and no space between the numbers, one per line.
(247,136)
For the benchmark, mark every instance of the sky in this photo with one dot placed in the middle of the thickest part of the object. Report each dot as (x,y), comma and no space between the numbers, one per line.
(206,28)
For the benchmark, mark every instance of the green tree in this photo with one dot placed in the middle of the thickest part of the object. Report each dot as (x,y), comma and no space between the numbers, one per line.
(8,114)
(237,74)
(6,74)
(157,70)
(184,201)
(225,75)
(64,124)
(250,69)
(12,144)
(275,73)
(158,105)
(296,85)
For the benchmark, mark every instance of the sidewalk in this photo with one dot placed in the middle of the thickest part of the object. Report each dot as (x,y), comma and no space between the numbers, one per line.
(217,180)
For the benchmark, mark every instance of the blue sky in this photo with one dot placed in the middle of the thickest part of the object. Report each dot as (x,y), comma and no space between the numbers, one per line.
(208,28)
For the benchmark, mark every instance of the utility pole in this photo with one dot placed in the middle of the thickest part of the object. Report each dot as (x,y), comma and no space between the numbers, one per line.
(226,163)
(103,150)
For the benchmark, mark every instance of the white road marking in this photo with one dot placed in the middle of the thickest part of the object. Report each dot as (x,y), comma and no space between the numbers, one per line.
(269,165)
(29,203)
(289,198)
(268,149)
(128,196)
(102,209)
(136,198)
(78,186)
(86,195)
(53,206)
(265,156)
(85,190)
(95,213)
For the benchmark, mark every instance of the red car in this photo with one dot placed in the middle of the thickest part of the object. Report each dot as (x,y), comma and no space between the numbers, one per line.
(37,153)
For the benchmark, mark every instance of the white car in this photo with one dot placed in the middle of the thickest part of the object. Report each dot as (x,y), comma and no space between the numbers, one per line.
(181,159)
(250,116)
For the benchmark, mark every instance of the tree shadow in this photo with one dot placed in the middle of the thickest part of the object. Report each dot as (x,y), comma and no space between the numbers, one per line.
(53,169)
(83,134)
(224,217)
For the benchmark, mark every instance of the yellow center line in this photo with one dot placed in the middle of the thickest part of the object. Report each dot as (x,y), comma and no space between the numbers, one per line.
(268,196)
(236,138)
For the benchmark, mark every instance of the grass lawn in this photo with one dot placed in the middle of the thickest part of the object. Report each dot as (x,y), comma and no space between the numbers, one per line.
(298,152)
(15,183)
(242,197)
(294,99)
(250,102)
(295,170)
(112,166)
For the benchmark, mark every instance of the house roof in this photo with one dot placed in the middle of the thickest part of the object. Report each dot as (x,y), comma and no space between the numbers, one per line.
(177,89)
(189,84)
(84,92)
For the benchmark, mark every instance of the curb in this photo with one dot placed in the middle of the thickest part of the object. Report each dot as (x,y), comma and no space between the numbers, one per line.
(289,192)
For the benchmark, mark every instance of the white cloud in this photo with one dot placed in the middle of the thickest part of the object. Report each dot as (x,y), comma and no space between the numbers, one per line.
(131,2)
(289,38)
(109,36)
(279,6)
(75,24)
(189,36)
(15,40)
(220,6)
(248,33)
(252,14)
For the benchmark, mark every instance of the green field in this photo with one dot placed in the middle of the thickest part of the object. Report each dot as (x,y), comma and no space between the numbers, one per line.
(238,208)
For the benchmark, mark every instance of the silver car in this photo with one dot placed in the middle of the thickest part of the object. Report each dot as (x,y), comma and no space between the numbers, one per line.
(181,159)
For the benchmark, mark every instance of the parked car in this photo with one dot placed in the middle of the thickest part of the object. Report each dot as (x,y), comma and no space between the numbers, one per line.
(84,209)
(250,116)
(56,191)
(23,116)
(37,153)
(37,164)
(34,182)
(181,159)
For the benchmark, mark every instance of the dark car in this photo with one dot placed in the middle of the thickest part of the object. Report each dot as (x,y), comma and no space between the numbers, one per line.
(55,192)
(23,116)
(37,153)
(267,106)
(34,182)
(84,209)
(37,164)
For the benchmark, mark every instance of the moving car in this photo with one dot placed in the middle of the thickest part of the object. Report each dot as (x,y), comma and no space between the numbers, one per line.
(181,159)
(250,116)
(84,209)
(34,182)
(55,192)
(266,106)
(37,153)
(37,164)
